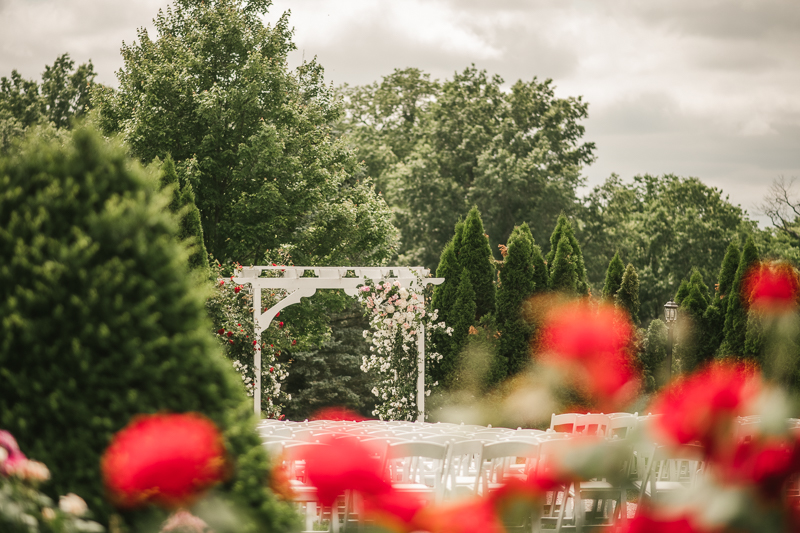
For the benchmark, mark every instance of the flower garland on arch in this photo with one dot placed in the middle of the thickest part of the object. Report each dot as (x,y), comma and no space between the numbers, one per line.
(396,314)
(231,310)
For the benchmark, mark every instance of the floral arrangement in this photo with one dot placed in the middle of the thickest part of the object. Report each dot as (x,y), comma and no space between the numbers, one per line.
(23,509)
(396,314)
(231,309)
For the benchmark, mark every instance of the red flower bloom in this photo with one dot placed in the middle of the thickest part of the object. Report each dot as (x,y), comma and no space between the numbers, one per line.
(220,331)
(336,413)
(165,459)
(648,523)
(593,347)
(237,289)
(280,324)
(230,341)
(279,314)
(221,282)
(294,342)
(702,407)
(230,334)
(344,464)
(272,369)
(771,288)
(766,463)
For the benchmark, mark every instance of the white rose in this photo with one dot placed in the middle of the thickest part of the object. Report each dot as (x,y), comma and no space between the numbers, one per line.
(73,504)
(402,304)
(389,309)
(403,293)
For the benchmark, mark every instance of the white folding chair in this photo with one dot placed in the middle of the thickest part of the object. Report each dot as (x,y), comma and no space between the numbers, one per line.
(591,424)
(672,469)
(462,468)
(417,467)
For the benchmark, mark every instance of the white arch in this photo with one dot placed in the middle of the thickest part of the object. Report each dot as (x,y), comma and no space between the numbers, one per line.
(291,279)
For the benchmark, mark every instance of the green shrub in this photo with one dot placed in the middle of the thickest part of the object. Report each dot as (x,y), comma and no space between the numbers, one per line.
(736,311)
(102,320)
(616,268)
(627,297)
(475,258)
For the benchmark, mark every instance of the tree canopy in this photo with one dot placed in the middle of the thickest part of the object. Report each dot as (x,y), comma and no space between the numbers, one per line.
(253,138)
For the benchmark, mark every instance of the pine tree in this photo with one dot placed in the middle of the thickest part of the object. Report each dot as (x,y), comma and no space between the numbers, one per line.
(736,312)
(190,229)
(616,268)
(564,228)
(627,296)
(564,276)
(475,258)
(462,316)
(696,280)
(516,285)
(714,317)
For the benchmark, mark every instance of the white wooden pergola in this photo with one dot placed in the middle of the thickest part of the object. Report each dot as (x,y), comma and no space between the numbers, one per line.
(347,279)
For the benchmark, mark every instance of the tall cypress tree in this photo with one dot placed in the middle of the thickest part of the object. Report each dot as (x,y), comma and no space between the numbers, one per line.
(627,296)
(692,310)
(564,229)
(683,291)
(516,284)
(541,278)
(462,317)
(563,273)
(736,312)
(190,230)
(616,268)
(475,258)
(727,273)
(444,298)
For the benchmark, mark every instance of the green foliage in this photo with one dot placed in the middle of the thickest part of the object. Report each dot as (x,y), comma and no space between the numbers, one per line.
(683,291)
(654,354)
(736,314)
(99,293)
(444,298)
(462,317)
(627,297)
(182,204)
(253,138)
(438,148)
(616,268)
(475,258)
(517,284)
(691,325)
(564,229)
(563,270)
(664,226)
(63,95)
(727,274)
(331,375)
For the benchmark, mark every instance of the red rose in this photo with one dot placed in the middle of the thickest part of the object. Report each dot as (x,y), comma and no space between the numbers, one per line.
(230,341)
(592,346)
(280,324)
(294,342)
(703,406)
(272,369)
(164,459)
(220,331)
(255,342)
(279,314)
(771,288)
(237,289)
(221,282)
(230,334)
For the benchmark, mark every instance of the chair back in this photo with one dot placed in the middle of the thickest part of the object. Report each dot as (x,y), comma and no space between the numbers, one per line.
(591,424)
(673,463)
(563,423)
(416,462)
(621,427)
(500,458)
(462,468)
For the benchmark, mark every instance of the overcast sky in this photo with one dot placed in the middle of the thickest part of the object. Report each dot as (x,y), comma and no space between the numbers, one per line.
(708,89)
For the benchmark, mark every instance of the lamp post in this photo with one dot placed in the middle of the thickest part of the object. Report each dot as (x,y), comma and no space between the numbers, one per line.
(670,316)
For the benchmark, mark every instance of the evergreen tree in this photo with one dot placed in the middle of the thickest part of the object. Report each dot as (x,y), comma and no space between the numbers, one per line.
(331,375)
(616,269)
(182,204)
(727,273)
(736,312)
(696,280)
(462,316)
(475,258)
(444,297)
(516,285)
(564,228)
(118,322)
(563,273)
(627,296)
(692,326)
(683,291)
(541,277)
(654,354)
